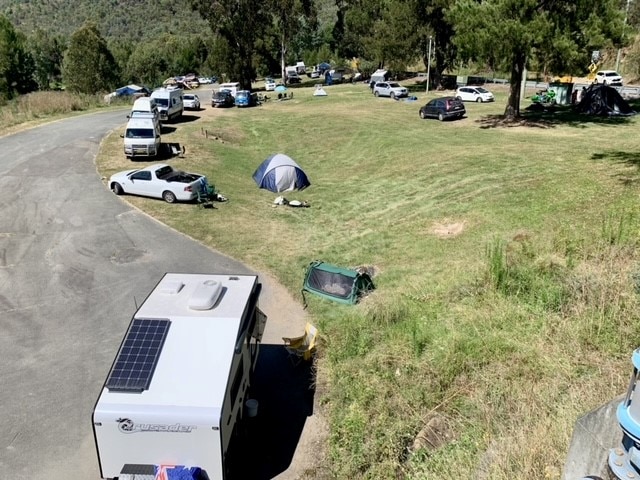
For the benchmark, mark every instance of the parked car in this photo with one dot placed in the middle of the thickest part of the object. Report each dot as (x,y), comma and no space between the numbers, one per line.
(222,98)
(389,89)
(443,108)
(269,84)
(474,94)
(191,101)
(608,77)
(159,181)
(205,80)
(245,98)
(293,77)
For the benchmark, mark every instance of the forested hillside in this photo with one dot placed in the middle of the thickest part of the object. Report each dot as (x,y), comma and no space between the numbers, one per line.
(124,19)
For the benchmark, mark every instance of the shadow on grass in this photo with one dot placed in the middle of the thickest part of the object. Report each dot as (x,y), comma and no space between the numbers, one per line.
(184,118)
(550,117)
(265,444)
(631,159)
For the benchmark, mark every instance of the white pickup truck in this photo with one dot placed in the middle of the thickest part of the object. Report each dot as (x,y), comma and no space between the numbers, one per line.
(159,181)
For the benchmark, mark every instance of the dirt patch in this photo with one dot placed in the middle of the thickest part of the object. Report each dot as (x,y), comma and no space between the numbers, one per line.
(447,229)
(436,433)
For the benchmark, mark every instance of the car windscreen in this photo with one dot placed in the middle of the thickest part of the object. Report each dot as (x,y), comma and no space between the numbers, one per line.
(189,97)
(163,102)
(611,74)
(482,90)
(242,95)
(140,133)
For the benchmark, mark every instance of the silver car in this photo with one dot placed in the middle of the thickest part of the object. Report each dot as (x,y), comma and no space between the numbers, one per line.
(389,89)
(191,101)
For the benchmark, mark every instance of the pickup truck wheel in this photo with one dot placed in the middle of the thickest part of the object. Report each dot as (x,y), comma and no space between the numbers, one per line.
(168,196)
(116,188)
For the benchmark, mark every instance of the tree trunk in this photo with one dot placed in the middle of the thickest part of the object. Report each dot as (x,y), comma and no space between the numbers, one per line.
(283,53)
(513,105)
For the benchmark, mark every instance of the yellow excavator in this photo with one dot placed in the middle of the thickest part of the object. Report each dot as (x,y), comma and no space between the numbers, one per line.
(593,68)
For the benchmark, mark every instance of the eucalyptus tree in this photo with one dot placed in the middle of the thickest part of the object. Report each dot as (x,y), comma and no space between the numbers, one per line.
(47,51)
(560,34)
(88,65)
(16,63)
(240,23)
(289,17)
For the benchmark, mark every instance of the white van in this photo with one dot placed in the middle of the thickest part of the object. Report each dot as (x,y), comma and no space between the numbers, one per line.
(145,104)
(146,107)
(232,87)
(141,138)
(169,102)
(178,386)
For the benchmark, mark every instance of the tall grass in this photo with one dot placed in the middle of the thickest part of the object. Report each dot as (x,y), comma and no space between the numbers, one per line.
(39,106)
(506,296)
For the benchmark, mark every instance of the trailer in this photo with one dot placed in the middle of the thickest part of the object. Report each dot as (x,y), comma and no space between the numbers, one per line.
(177,388)
(624,460)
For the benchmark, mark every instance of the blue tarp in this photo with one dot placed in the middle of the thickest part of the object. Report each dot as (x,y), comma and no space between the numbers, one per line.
(178,472)
(280,173)
(131,90)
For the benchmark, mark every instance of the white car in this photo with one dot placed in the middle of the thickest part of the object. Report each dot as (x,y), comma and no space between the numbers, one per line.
(204,80)
(608,77)
(191,101)
(389,89)
(159,181)
(474,94)
(269,84)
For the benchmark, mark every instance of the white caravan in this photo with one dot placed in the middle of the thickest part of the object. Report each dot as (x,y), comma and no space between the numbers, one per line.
(232,87)
(178,385)
(169,102)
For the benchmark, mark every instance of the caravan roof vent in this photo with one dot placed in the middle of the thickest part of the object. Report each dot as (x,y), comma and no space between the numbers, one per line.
(205,295)
(171,287)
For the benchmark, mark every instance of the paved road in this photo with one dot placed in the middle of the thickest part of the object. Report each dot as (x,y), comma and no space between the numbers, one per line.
(74,261)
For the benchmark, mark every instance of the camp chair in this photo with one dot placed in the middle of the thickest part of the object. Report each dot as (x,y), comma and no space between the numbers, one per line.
(302,347)
(205,196)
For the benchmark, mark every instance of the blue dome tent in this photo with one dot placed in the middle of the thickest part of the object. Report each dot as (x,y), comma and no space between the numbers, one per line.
(280,173)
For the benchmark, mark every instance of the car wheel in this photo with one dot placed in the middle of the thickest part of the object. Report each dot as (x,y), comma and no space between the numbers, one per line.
(441,117)
(459,98)
(168,196)
(375,94)
(422,114)
(479,100)
(117,188)
(392,95)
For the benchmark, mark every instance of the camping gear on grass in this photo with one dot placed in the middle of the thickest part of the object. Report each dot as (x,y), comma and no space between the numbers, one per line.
(319,91)
(280,173)
(603,100)
(302,347)
(335,283)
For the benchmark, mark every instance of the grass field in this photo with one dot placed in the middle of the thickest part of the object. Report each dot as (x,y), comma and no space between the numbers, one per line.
(506,301)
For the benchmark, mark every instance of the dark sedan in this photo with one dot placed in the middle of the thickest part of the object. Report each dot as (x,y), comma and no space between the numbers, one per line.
(222,98)
(443,108)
